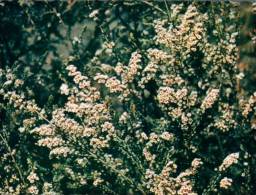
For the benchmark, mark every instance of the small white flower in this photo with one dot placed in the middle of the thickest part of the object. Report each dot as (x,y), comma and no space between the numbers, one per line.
(76,40)
(94,13)
(240,76)
(226,183)
(64,89)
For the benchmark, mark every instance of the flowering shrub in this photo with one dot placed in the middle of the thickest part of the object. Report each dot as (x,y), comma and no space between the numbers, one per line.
(162,116)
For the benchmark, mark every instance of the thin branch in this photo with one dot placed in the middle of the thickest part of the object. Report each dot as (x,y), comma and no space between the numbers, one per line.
(167,9)
(13,159)
(155,7)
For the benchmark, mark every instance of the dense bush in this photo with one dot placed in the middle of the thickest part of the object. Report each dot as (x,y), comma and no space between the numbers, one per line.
(124,97)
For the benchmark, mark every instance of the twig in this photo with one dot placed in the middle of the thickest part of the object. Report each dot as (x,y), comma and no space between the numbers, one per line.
(167,9)
(151,5)
(13,159)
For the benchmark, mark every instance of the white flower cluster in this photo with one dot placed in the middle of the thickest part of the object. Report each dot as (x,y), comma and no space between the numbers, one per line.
(133,68)
(163,183)
(210,99)
(248,106)
(230,160)
(226,183)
